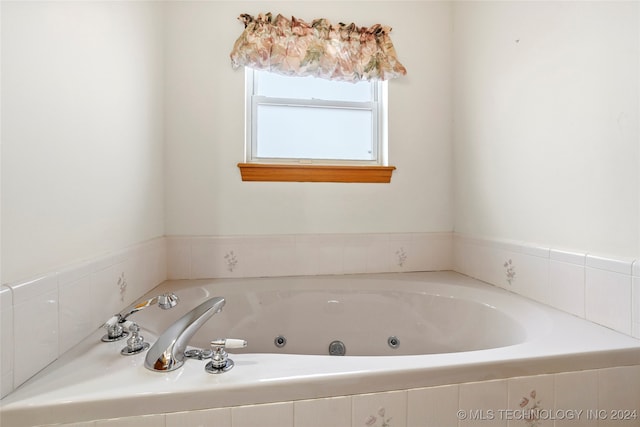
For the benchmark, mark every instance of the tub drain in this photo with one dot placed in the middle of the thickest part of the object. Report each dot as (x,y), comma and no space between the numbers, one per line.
(337,348)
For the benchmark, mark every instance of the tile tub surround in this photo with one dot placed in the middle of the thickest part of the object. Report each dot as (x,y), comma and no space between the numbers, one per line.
(570,281)
(309,254)
(45,316)
(588,398)
(92,379)
(600,289)
(605,290)
(49,304)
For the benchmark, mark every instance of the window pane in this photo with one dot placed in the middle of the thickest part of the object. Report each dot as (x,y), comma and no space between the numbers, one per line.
(278,86)
(314,133)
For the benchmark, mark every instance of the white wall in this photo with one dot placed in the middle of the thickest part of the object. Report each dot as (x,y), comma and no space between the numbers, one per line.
(546,123)
(82,160)
(545,136)
(205,130)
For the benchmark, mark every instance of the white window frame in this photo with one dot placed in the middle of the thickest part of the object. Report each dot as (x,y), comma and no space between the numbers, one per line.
(379,123)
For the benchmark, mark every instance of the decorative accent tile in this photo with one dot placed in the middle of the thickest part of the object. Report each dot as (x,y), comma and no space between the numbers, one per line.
(231,260)
(531,401)
(401,257)
(483,259)
(510,271)
(532,411)
(122,286)
(380,409)
(379,419)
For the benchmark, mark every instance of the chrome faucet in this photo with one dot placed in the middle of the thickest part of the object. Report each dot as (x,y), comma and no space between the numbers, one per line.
(167,353)
(114,326)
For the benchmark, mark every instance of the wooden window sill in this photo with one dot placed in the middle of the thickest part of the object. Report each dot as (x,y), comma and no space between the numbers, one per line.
(314,173)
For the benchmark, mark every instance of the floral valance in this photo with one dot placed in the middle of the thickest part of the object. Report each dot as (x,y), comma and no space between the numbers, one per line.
(320,49)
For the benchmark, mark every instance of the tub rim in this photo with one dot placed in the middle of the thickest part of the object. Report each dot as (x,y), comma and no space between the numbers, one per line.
(71,390)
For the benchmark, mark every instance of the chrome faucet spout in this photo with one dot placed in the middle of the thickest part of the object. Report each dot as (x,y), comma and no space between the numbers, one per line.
(167,353)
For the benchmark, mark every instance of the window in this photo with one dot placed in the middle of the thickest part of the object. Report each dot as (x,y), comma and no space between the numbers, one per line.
(313,120)
(308,124)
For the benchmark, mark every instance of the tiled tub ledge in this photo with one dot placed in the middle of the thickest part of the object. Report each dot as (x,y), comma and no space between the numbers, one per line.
(601,289)
(93,382)
(46,315)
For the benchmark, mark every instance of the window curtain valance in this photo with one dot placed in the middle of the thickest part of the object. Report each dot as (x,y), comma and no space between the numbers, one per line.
(320,49)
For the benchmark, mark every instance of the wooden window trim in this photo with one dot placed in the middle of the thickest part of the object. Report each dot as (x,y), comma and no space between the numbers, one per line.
(314,173)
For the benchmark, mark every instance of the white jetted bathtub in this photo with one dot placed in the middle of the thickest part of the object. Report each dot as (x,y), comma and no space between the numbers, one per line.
(397,332)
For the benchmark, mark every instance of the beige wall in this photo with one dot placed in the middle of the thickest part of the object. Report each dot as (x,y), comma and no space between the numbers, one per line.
(205,129)
(123,121)
(546,123)
(82,136)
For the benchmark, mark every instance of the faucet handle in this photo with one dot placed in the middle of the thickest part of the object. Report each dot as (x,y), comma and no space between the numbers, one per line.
(220,361)
(228,343)
(115,331)
(136,343)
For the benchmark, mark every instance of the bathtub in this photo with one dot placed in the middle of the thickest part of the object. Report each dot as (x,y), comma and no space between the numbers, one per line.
(398,331)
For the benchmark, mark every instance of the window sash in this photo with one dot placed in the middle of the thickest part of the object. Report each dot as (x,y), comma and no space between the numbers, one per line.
(375,107)
(369,145)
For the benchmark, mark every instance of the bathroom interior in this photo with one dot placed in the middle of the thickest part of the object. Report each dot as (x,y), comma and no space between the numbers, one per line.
(515,136)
